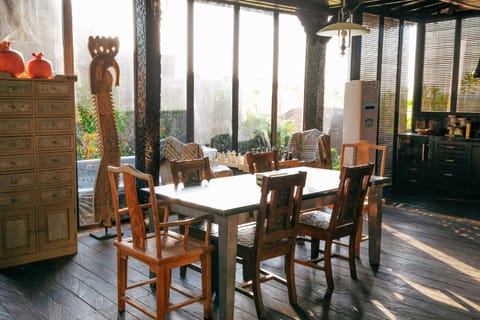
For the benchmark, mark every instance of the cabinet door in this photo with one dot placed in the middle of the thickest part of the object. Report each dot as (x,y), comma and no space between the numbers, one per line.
(56,227)
(18,233)
(475,168)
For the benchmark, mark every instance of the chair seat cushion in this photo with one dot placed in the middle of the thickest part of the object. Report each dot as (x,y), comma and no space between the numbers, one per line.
(315,218)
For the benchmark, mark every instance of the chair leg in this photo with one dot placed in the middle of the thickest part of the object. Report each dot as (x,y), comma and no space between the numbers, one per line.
(352,248)
(257,293)
(328,264)
(246,270)
(122,264)
(314,248)
(358,237)
(183,272)
(290,275)
(207,285)
(162,291)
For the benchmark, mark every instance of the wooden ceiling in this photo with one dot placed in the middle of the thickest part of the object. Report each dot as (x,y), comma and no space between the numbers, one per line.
(415,10)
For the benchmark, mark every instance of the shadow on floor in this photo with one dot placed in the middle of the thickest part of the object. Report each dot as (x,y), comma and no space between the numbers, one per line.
(459,206)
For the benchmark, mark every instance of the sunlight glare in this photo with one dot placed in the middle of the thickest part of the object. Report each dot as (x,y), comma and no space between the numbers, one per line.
(384,310)
(437,254)
(433,294)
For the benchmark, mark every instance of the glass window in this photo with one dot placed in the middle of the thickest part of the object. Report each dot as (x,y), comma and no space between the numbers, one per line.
(255,79)
(291,76)
(407,77)
(173,46)
(469,87)
(213,51)
(438,66)
(32,27)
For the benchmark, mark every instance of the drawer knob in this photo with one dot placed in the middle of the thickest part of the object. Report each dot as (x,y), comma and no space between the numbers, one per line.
(13,144)
(449,160)
(14,181)
(448,174)
(13,163)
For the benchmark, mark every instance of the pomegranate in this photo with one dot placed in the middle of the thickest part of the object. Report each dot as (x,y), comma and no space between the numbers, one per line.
(11,61)
(38,67)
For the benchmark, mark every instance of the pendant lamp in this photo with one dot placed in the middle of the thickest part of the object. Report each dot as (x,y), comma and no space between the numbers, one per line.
(345,29)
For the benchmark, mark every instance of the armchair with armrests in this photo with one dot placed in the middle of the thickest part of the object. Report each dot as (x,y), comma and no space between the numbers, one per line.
(311,148)
(173,149)
(161,251)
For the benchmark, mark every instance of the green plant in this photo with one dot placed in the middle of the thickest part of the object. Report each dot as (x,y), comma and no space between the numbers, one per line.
(433,99)
(87,144)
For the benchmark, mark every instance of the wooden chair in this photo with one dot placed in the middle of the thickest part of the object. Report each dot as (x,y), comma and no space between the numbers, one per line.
(278,216)
(363,152)
(161,250)
(312,148)
(341,222)
(261,161)
(193,172)
(190,172)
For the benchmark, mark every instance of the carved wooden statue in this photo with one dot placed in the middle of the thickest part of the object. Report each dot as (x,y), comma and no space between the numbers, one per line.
(103,51)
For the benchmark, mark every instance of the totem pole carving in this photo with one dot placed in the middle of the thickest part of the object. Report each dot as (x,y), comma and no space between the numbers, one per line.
(103,51)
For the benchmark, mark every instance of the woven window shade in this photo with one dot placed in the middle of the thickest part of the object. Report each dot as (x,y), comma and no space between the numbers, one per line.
(368,67)
(468,99)
(388,89)
(438,66)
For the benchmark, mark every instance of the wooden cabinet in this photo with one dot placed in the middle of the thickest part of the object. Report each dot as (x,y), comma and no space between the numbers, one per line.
(438,164)
(450,164)
(37,170)
(413,160)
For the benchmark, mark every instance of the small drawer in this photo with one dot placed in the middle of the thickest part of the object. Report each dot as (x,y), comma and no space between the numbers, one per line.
(16,181)
(451,178)
(45,161)
(11,163)
(16,145)
(15,88)
(9,126)
(55,125)
(54,107)
(16,107)
(451,147)
(451,159)
(57,177)
(55,142)
(58,195)
(14,199)
(51,88)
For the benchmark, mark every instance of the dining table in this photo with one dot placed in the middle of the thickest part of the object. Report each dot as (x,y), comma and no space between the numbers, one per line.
(230,200)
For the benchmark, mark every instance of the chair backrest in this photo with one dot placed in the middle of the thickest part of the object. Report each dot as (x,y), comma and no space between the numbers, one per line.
(261,161)
(278,214)
(174,149)
(304,144)
(363,152)
(136,210)
(349,199)
(190,172)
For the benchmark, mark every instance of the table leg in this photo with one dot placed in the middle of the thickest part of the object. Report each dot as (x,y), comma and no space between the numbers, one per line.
(375,212)
(227,253)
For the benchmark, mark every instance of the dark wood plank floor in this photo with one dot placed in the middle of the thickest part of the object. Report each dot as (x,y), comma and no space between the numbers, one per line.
(430,269)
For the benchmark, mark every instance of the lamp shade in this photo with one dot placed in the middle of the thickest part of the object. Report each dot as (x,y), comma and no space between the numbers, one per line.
(332,30)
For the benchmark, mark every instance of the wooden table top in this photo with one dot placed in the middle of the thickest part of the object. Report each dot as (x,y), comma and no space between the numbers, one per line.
(235,194)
